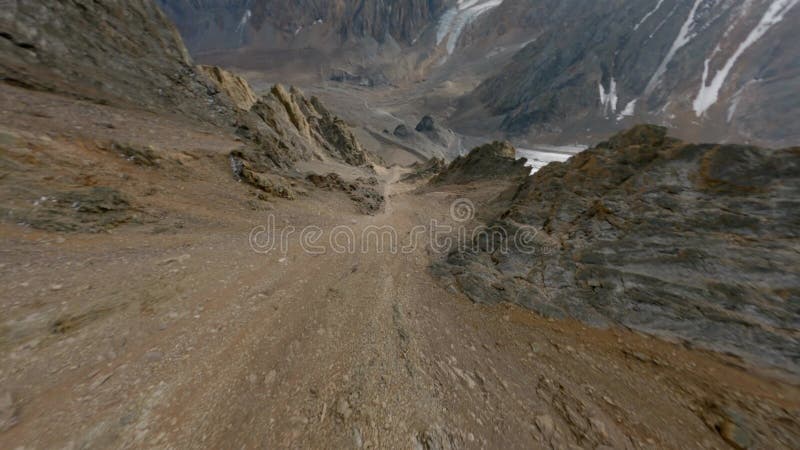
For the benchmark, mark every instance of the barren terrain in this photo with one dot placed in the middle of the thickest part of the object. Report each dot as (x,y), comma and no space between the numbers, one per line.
(167,330)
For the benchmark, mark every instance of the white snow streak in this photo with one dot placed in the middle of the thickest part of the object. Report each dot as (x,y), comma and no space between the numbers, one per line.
(455,19)
(629,110)
(709,93)
(243,22)
(647,16)
(608,99)
(684,37)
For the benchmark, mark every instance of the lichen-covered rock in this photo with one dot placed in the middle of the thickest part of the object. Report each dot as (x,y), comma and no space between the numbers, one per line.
(697,242)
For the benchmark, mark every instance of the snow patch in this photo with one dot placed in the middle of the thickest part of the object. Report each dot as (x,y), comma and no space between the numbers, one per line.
(629,110)
(685,35)
(709,93)
(542,155)
(608,98)
(647,16)
(455,19)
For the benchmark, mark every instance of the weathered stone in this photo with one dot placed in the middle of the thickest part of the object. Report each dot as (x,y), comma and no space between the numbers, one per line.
(236,87)
(490,161)
(698,242)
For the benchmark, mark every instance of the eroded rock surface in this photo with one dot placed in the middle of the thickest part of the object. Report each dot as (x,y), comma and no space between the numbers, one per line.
(135,58)
(234,86)
(495,160)
(362,191)
(696,242)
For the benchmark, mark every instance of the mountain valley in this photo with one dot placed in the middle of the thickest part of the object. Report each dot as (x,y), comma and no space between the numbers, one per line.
(425,224)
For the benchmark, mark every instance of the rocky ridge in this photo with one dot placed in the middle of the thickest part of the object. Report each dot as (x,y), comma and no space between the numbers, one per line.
(137,60)
(684,241)
(496,160)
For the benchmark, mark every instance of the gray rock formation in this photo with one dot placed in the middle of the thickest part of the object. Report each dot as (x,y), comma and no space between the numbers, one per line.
(695,242)
(294,128)
(495,160)
(215,24)
(120,52)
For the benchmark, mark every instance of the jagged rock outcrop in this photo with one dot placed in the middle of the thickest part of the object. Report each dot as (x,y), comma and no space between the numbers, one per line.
(127,53)
(291,128)
(490,161)
(429,168)
(294,128)
(234,86)
(695,242)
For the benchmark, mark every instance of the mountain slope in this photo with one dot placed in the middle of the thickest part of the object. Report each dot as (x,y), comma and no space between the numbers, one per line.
(120,52)
(545,70)
(219,24)
(714,69)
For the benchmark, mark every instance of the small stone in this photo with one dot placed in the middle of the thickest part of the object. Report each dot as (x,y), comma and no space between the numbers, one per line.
(343,409)
(56,287)
(153,356)
(270,377)
(599,426)
(546,425)
(252,378)
(357,439)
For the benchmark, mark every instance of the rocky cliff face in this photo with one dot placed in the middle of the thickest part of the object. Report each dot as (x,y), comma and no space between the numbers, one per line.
(122,52)
(718,69)
(218,24)
(695,242)
(298,128)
